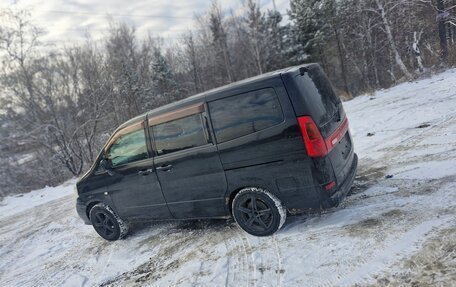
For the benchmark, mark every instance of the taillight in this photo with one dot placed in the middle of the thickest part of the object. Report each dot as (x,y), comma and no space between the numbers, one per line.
(330,185)
(314,142)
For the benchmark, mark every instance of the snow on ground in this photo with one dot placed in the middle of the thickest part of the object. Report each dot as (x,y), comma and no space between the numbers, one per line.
(397,230)
(20,202)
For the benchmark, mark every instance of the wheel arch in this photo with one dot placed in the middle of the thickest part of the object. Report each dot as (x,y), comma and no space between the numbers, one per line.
(90,205)
(231,197)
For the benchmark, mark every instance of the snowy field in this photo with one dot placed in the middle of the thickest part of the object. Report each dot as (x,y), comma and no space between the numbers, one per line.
(390,231)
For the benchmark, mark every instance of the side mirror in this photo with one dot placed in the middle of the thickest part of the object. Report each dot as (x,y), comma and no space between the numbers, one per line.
(106,164)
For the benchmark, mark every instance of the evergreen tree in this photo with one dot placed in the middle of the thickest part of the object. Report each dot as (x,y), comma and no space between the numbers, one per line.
(309,27)
(163,79)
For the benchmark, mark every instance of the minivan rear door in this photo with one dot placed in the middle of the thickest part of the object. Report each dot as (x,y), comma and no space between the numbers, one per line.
(312,94)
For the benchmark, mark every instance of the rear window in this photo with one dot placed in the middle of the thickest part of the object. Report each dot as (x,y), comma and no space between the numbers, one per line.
(243,114)
(179,134)
(319,94)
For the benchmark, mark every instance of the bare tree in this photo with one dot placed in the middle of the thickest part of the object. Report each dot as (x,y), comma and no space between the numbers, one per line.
(220,40)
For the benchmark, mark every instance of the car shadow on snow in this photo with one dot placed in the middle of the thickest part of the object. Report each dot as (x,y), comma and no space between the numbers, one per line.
(185,226)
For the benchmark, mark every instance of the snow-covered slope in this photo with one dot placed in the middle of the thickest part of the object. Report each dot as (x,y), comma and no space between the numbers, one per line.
(384,232)
(20,202)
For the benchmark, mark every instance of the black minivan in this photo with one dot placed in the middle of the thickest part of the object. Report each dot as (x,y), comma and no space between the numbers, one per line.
(257,150)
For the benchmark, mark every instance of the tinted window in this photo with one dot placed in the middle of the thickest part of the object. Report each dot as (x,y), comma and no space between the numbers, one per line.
(179,134)
(244,114)
(319,93)
(128,148)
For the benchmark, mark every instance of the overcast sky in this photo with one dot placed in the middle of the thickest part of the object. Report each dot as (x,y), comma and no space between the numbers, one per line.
(69,20)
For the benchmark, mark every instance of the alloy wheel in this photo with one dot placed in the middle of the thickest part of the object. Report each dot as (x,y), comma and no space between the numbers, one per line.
(255,213)
(103,224)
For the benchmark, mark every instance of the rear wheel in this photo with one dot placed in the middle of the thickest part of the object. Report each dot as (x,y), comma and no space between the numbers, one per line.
(258,212)
(107,223)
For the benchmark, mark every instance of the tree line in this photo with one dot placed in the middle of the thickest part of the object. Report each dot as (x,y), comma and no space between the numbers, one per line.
(58,105)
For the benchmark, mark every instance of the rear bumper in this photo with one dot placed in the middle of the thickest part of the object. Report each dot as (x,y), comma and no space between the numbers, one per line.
(345,187)
(81,209)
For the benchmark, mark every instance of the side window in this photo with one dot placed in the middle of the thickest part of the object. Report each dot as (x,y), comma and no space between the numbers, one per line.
(244,114)
(128,148)
(179,134)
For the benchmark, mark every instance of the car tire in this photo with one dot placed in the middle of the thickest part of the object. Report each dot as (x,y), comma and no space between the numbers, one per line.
(107,223)
(258,212)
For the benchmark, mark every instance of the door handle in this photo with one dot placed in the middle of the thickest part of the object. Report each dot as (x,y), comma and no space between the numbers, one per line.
(165,167)
(145,171)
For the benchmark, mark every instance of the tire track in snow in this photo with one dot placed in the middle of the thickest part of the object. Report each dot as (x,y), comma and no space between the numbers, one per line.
(252,265)
(240,250)
(248,267)
(236,250)
(228,258)
(279,270)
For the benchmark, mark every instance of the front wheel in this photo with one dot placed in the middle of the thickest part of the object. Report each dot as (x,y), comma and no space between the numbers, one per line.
(258,212)
(107,223)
